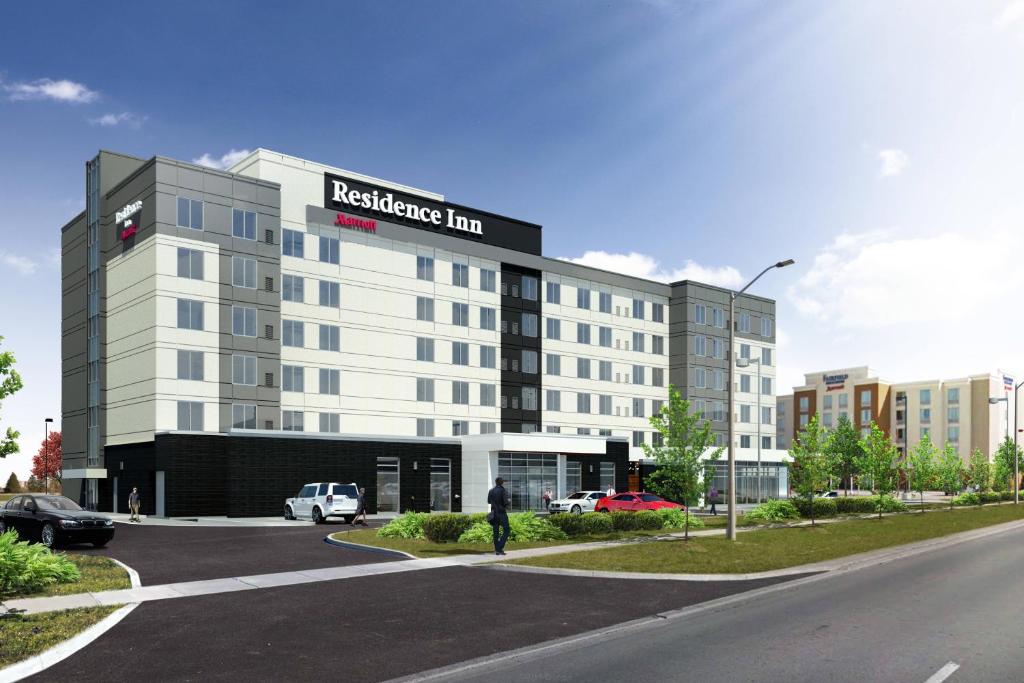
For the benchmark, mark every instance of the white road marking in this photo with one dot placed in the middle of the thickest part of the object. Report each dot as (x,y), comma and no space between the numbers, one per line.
(945,672)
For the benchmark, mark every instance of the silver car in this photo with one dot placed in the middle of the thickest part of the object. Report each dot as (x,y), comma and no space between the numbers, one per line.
(577,503)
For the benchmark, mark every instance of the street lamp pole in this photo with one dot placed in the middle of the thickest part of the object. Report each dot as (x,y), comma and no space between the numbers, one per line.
(1006,400)
(46,455)
(730,530)
(1016,458)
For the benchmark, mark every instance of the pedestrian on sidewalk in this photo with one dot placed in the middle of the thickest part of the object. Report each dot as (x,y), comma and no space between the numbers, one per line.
(500,501)
(547,499)
(713,498)
(360,508)
(134,503)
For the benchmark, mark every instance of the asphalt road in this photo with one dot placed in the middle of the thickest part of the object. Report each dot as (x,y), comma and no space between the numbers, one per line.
(901,621)
(366,629)
(170,554)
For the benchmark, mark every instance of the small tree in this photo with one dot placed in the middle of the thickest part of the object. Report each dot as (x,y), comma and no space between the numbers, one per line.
(809,469)
(921,462)
(13,485)
(46,463)
(950,472)
(10,382)
(1004,465)
(686,437)
(34,485)
(979,472)
(880,462)
(842,450)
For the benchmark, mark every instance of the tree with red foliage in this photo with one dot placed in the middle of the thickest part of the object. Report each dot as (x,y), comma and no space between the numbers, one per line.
(47,461)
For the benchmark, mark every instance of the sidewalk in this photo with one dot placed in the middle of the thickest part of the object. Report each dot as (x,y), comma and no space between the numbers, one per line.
(228,521)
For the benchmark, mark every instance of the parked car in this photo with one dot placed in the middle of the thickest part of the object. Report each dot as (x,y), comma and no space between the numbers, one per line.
(828,494)
(632,501)
(577,503)
(322,500)
(54,521)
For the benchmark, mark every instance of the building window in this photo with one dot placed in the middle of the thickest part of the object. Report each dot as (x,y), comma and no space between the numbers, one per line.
(330,381)
(529,324)
(243,321)
(460,275)
(330,423)
(766,415)
(926,415)
(745,384)
(190,365)
(292,243)
(424,308)
(766,357)
(190,314)
(243,272)
(826,402)
(291,421)
(190,416)
(487,280)
(744,351)
(744,322)
(718,348)
(766,386)
(243,224)
(604,370)
(190,263)
(190,213)
(953,414)
(243,416)
(488,318)
(638,309)
(460,393)
(658,377)
(460,353)
(604,302)
(329,250)
(718,411)
(844,400)
(583,403)
(460,427)
(700,314)
(330,294)
(330,338)
(638,374)
(424,349)
(658,313)
(804,419)
(554,328)
(460,314)
(700,345)
(638,341)
(487,395)
(424,389)
(488,428)
(744,414)
(865,416)
(865,397)
(657,345)
(553,400)
(744,441)
(952,396)
(529,288)
(926,397)
(583,368)
(243,369)
(293,288)
(805,403)
(293,378)
(953,434)
(488,356)
(638,407)
(604,404)
(638,439)
(292,333)
(554,364)
(424,268)
(604,336)
(718,380)
(766,327)
(583,298)
(582,333)
(554,292)
(530,362)
(718,316)
(529,398)
(700,378)
(424,427)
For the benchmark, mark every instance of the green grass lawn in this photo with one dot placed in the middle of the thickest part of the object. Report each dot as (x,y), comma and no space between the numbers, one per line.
(4,497)
(25,635)
(767,549)
(98,574)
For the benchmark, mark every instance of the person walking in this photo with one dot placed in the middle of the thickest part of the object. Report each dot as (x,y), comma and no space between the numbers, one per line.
(360,508)
(547,499)
(499,500)
(134,503)
(713,498)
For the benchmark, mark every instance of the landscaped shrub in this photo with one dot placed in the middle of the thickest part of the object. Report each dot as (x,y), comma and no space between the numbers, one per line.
(990,497)
(596,523)
(409,525)
(773,511)
(888,504)
(572,525)
(645,520)
(674,518)
(26,567)
(525,527)
(854,504)
(1006,495)
(445,527)
(823,507)
(967,499)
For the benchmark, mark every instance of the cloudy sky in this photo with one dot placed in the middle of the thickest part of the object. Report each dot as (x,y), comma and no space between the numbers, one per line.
(878,143)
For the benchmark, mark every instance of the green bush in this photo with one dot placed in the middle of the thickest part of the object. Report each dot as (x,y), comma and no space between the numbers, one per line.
(675,518)
(597,523)
(409,525)
(823,507)
(525,527)
(773,511)
(887,504)
(645,520)
(26,567)
(572,525)
(990,497)
(967,499)
(445,527)
(854,504)
(1006,495)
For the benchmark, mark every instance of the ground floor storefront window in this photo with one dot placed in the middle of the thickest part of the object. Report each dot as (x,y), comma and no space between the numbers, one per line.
(527,476)
(573,476)
(607,476)
(774,481)
(387,484)
(440,485)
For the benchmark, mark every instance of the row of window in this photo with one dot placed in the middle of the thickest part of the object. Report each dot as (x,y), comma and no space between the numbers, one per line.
(190,215)
(742,320)
(747,410)
(553,291)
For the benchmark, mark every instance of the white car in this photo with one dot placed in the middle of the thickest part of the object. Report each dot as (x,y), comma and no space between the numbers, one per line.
(577,503)
(322,500)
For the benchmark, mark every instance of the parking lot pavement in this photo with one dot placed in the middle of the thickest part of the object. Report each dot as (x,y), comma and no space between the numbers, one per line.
(368,629)
(170,554)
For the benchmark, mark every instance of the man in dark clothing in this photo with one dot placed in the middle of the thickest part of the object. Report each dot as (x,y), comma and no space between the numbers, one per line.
(499,500)
(134,503)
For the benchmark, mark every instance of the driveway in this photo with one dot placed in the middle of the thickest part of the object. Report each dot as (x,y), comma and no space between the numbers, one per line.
(170,554)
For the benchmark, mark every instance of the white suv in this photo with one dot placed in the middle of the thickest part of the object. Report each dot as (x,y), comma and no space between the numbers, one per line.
(320,501)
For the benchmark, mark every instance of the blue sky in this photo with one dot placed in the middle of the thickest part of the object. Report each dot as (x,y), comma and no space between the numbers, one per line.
(878,143)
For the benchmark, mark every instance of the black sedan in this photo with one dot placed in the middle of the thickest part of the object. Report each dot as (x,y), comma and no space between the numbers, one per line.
(54,521)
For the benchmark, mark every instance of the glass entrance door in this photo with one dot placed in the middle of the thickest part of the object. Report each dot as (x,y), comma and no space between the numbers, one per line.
(527,476)
(387,484)
(440,485)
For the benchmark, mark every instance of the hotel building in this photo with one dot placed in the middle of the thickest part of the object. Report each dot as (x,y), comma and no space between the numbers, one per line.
(231,335)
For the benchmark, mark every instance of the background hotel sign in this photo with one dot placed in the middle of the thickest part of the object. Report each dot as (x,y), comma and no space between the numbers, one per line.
(349,197)
(834,382)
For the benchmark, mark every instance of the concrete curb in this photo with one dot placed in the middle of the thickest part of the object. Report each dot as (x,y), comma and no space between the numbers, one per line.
(368,548)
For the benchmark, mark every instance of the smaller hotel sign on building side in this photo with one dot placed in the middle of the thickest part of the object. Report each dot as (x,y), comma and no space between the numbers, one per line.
(834,382)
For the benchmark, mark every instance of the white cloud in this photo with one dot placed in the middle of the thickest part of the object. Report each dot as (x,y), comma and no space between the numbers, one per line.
(894,161)
(226,161)
(126,117)
(48,89)
(644,266)
(21,265)
(1011,14)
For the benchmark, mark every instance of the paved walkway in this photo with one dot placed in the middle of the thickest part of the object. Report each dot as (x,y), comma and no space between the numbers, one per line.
(230,521)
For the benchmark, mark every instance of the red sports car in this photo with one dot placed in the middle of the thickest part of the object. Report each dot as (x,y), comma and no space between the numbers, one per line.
(632,501)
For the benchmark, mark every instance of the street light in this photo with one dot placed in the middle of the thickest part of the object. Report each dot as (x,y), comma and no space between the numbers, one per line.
(906,434)
(743,363)
(1016,458)
(46,455)
(730,530)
